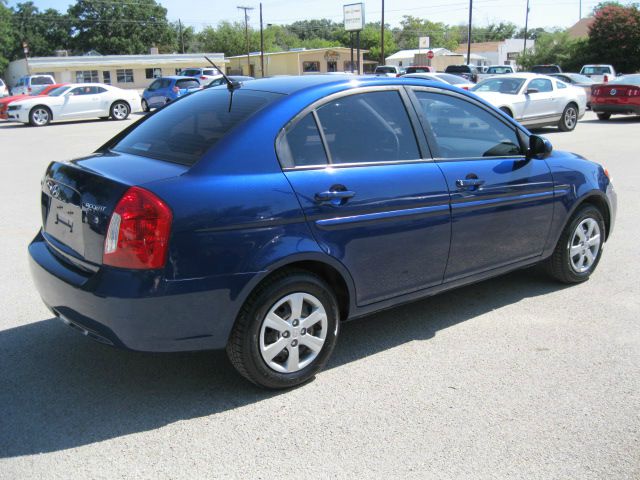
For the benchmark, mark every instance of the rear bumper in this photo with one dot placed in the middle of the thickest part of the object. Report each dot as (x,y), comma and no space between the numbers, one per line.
(138,310)
(621,108)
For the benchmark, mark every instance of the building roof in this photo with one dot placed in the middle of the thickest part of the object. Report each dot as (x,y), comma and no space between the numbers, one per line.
(411,53)
(479,47)
(581,29)
(115,60)
(298,50)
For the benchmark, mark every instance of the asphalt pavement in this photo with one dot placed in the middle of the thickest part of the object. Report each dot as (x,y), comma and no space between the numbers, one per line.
(515,377)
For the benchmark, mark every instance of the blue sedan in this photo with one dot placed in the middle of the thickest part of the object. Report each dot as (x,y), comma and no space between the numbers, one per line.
(167,89)
(259,217)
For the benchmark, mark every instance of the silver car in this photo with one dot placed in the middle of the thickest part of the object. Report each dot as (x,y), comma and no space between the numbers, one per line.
(32,84)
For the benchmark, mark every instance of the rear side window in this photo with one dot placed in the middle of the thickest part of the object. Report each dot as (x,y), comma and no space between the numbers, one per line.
(561,85)
(302,145)
(187,84)
(464,130)
(368,127)
(184,131)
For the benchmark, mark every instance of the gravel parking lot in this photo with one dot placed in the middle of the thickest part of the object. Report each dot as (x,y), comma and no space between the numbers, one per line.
(516,377)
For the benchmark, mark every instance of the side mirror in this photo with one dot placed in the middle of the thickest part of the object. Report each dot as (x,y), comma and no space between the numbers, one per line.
(539,147)
(531,90)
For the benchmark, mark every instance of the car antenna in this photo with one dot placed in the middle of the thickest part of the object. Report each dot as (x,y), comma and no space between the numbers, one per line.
(231,84)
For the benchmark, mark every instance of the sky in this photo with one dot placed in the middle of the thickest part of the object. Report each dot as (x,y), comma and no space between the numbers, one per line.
(199,13)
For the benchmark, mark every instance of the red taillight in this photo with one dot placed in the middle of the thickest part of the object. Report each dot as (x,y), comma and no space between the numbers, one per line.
(138,234)
(633,92)
(595,91)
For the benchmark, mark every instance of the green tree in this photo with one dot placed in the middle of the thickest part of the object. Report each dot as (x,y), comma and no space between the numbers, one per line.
(554,48)
(614,36)
(121,27)
(45,32)
(411,28)
(7,36)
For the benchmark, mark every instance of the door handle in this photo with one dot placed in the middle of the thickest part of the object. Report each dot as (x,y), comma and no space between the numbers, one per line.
(335,197)
(469,183)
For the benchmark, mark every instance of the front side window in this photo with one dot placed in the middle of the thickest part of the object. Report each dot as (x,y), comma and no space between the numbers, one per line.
(368,127)
(510,86)
(184,132)
(462,129)
(541,84)
(124,75)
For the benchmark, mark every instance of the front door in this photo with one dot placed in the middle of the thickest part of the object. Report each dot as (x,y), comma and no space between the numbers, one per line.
(80,102)
(539,105)
(501,202)
(370,198)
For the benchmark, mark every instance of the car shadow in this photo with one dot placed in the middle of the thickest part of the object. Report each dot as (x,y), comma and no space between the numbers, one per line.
(59,390)
(615,119)
(7,124)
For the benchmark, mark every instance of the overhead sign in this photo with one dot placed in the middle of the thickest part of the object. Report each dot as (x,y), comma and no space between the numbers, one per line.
(353,17)
(423,42)
(430,54)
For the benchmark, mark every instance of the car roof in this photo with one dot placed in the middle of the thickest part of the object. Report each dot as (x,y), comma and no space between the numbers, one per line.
(524,75)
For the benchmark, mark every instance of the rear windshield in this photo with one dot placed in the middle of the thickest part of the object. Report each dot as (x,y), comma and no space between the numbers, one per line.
(577,78)
(193,72)
(185,130)
(627,80)
(595,70)
(188,83)
(545,69)
(499,70)
(457,69)
(418,70)
(385,70)
(41,81)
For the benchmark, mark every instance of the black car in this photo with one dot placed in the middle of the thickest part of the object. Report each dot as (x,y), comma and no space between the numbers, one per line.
(470,72)
(546,69)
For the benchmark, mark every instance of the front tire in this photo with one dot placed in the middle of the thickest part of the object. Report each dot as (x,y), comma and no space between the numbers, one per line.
(145,106)
(569,118)
(39,116)
(286,330)
(119,110)
(604,116)
(579,248)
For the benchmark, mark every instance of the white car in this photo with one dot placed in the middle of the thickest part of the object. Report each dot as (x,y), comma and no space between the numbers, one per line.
(204,75)
(599,73)
(456,80)
(535,100)
(76,101)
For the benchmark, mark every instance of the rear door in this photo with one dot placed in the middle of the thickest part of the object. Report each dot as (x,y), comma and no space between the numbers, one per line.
(371,198)
(501,203)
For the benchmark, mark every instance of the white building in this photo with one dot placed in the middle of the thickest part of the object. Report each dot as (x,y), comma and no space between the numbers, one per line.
(499,53)
(442,58)
(124,71)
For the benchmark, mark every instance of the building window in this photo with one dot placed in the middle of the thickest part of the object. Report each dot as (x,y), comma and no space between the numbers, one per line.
(87,76)
(332,66)
(310,66)
(106,77)
(152,72)
(124,75)
(348,66)
(178,71)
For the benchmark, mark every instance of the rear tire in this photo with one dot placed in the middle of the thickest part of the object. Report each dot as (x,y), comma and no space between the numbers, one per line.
(569,118)
(39,116)
(604,116)
(285,331)
(119,110)
(145,106)
(579,248)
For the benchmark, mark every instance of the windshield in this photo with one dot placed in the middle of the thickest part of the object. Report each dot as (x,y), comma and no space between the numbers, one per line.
(509,86)
(56,92)
(595,70)
(499,70)
(452,79)
(627,80)
(577,78)
(185,130)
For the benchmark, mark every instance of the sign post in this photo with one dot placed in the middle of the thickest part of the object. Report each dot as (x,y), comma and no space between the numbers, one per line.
(354,22)
(25,49)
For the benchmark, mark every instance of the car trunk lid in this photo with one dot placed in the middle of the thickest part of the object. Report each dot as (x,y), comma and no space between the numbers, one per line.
(78,198)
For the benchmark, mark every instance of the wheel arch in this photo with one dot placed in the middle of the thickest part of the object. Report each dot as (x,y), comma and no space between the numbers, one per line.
(598,200)
(120,100)
(42,105)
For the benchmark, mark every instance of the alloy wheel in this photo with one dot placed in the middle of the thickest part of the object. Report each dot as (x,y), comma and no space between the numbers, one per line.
(570,118)
(40,116)
(120,111)
(293,332)
(584,245)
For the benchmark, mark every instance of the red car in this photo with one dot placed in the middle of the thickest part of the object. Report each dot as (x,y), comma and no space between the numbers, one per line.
(4,102)
(621,95)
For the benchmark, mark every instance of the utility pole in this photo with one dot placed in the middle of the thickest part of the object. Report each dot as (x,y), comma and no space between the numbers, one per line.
(261,44)
(469,33)
(181,37)
(25,49)
(246,33)
(526,25)
(580,11)
(382,36)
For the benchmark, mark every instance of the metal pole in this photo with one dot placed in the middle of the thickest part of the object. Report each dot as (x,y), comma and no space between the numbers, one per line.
(181,37)
(351,37)
(580,11)
(261,44)
(246,33)
(526,25)
(382,36)
(358,46)
(25,49)
(469,35)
